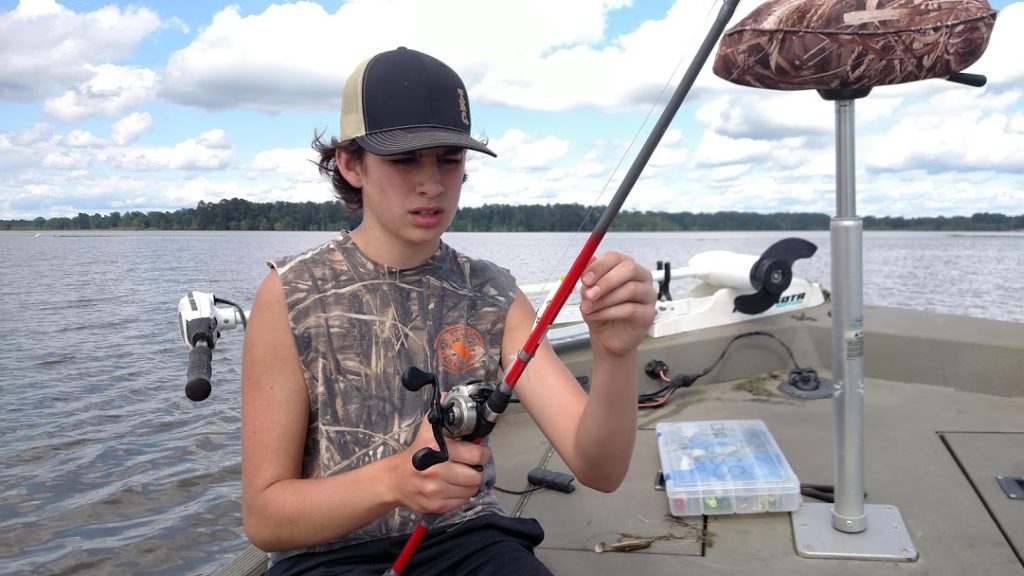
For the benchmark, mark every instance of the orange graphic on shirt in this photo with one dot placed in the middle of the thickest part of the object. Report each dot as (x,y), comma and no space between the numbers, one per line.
(459,347)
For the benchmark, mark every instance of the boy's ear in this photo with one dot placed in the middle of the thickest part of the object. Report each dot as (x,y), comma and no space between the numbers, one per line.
(350,167)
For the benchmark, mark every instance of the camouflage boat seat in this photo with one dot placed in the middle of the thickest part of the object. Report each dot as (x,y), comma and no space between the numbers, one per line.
(853,44)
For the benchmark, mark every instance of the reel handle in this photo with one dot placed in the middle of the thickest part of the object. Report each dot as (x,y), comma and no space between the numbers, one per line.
(415,379)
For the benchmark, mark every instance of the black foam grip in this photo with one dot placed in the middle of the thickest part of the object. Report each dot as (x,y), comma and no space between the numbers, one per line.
(199,370)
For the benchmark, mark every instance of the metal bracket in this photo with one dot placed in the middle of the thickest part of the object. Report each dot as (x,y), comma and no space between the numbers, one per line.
(886,537)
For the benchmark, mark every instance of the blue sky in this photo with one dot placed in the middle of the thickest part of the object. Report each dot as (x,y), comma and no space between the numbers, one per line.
(156,105)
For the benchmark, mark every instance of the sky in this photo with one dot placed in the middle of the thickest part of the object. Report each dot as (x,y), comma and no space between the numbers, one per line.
(156,105)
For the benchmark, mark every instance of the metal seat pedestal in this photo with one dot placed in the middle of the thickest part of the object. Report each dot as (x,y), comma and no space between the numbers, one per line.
(849,529)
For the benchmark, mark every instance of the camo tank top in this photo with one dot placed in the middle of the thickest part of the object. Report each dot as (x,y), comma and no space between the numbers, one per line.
(358,326)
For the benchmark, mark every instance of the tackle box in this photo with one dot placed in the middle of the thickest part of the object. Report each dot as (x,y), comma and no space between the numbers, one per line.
(724,467)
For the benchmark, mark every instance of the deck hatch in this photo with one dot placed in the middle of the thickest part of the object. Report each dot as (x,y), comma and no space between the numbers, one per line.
(984,457)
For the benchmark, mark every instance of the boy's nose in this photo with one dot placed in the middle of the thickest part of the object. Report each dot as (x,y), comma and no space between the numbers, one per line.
(429,180)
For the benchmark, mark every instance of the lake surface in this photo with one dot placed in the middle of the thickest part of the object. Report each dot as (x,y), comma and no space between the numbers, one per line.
(108,469)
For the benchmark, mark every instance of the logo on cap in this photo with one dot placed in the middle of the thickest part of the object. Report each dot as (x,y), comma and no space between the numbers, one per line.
(463,107)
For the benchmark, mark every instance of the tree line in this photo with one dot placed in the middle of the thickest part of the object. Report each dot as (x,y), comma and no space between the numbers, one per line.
(238,214)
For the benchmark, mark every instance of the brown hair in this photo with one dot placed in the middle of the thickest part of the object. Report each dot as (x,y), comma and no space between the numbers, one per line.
(349,195)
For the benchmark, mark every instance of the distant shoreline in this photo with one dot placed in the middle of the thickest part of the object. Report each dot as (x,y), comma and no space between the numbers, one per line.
(241,215)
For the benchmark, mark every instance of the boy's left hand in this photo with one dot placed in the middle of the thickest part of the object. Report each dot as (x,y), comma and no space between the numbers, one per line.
(618,298)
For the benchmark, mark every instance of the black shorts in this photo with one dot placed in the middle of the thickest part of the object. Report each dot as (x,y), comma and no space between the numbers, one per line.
(488,545)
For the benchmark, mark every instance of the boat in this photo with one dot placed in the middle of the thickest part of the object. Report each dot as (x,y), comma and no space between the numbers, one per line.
(942,429)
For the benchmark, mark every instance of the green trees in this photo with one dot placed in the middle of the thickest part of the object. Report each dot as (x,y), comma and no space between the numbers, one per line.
(239,214)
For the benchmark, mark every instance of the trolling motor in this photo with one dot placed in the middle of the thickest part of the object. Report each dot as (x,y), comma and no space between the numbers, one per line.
(769,274)
(200,322)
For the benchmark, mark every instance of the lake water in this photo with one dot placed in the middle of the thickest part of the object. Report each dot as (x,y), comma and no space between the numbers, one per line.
(108,469)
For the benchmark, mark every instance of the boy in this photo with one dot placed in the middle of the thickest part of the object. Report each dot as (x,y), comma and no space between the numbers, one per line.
(328,430)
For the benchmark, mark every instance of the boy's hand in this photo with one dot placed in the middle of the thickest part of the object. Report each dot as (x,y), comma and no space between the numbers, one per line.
(618,302)
(445,486)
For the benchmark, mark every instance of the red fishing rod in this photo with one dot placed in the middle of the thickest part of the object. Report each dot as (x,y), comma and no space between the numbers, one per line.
(471,410)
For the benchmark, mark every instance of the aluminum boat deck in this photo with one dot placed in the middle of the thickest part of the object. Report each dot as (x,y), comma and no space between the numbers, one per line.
(943,417)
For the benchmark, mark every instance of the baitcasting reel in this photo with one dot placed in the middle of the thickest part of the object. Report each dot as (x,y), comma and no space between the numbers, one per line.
(460,413)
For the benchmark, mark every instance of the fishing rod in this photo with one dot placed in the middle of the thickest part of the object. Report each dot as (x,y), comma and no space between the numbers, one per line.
(471,410)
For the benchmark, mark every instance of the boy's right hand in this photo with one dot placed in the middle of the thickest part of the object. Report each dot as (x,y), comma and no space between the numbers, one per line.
(445,486)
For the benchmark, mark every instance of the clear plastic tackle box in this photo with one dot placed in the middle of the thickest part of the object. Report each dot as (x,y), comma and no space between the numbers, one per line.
(725,467)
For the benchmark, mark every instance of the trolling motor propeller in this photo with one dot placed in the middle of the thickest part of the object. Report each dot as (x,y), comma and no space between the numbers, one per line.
(771,274)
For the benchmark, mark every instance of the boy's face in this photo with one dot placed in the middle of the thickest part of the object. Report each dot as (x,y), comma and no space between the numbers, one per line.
(412,196)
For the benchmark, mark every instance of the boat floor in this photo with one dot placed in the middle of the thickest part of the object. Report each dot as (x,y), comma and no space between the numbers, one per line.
(943,416)
(933,454)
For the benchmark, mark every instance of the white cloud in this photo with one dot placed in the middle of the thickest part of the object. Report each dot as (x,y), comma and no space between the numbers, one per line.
(1001,63)
(128,129)
(211,151)
(626,71)
(530,154)
(110,91)
(716,149)
(272,61)
(969,140)
(46,48)
(38,132)
(268,61)
(82,139)
(34,8)
(295,164)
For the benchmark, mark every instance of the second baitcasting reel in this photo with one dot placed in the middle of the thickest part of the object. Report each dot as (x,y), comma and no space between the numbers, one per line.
(460,414)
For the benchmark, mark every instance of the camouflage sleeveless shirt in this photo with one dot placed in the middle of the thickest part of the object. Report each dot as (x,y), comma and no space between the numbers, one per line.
(358,326)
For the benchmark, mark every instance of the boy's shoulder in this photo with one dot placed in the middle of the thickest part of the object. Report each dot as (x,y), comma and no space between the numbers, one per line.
(484,277)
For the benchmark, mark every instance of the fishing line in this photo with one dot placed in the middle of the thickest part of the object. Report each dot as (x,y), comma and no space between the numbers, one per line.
(657,103)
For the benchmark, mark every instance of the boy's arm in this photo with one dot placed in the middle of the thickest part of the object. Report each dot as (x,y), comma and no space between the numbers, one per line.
(593,433)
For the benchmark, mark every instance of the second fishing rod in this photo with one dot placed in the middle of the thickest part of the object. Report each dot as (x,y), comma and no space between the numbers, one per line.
(470,410)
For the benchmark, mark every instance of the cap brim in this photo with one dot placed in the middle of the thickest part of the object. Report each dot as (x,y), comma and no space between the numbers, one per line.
(403,141)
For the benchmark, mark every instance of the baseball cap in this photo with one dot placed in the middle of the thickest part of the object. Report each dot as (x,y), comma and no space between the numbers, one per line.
(403,100)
